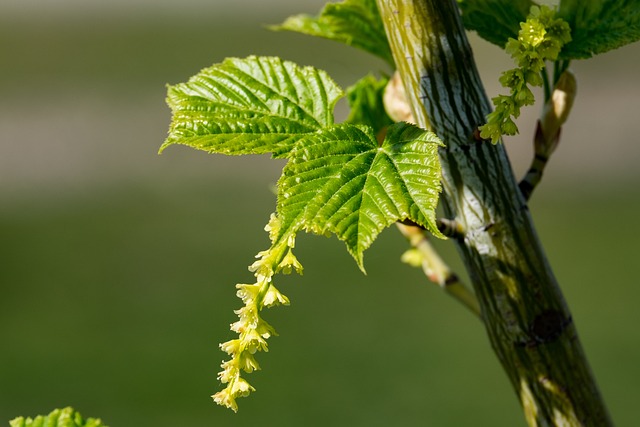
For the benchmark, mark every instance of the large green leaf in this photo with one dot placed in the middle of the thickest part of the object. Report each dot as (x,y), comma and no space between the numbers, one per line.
(353,22)
(340,180)
(366,102)
(251,106)
(495,20)
(66,417)
(599,26)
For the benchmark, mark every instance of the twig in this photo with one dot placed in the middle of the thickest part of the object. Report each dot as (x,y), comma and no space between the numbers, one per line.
(547,137)
(436,270)
(450,228)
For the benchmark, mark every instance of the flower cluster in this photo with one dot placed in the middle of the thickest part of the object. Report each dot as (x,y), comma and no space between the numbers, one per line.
(253,331)
(540,39)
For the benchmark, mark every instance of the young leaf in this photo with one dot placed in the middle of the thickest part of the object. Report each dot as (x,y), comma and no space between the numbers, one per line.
(66,417)
(251,106)
(367,106)
(353,22)
(599,26)
(495,20)
(341,181)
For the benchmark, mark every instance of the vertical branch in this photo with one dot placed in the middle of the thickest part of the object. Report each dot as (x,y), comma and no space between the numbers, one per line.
(527,320)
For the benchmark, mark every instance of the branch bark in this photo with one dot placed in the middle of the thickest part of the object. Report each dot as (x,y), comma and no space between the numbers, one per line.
(528,322)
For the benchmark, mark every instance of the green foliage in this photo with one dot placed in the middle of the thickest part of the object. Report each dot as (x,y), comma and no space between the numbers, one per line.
(366,104)
(540,39)
(596,26)
(66,417)
(338,180)
(353,22)
(341,181)
(250,106)
(495,20)
(599,26)
(275,106)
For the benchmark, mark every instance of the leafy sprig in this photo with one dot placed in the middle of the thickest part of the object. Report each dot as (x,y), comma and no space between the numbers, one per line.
(66,417)
(540,39)
(356,178)
(339,179)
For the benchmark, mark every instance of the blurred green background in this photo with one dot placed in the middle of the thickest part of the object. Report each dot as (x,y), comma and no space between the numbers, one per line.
(117,266)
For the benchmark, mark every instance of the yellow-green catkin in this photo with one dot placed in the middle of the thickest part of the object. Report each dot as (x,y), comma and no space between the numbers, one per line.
(253,331)
(540,39)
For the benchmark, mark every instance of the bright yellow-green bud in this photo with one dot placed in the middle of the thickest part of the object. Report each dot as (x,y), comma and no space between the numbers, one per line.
(413,257)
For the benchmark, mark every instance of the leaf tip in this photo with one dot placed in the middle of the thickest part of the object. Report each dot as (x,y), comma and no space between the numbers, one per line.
(358,256)
(361,266)
(164,146)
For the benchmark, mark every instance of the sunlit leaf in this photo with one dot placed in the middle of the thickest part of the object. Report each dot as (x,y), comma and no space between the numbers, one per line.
(342,181)
(251,106)
(353,22)
(599,26)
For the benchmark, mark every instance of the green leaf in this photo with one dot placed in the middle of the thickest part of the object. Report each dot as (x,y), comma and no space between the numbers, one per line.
(599,26)
(366,103)
(495,20)
(341,181)
(251,106)
(66,417)
(353,22)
